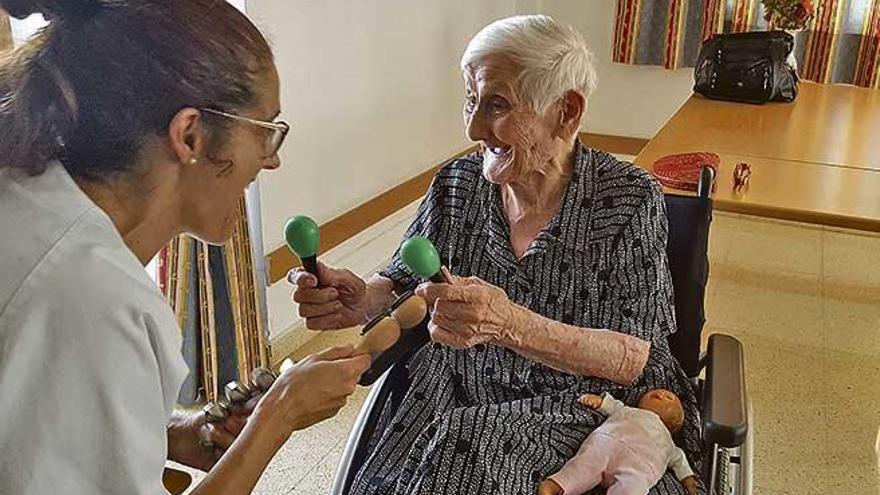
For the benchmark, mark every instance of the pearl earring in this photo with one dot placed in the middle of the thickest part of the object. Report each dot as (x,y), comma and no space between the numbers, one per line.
(193,161)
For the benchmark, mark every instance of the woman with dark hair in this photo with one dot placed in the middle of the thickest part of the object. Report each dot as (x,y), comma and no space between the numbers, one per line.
(122,125)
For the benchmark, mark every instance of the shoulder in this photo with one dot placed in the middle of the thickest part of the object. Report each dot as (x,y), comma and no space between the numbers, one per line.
(457,182)
(69,277)
(464,171)
(90,305)
(93,252)
(623,190)
(89,278)
(617,178)
(86,331)
(36,212)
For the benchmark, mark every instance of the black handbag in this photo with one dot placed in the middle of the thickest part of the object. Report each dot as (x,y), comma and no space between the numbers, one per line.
(747,67)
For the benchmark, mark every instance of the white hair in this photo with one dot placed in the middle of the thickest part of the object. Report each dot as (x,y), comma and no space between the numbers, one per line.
(553,57)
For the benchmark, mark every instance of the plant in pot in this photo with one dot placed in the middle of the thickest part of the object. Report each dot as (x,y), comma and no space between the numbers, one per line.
(789,15)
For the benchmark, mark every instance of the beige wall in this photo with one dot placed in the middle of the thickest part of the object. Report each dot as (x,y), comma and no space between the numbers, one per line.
(372,91)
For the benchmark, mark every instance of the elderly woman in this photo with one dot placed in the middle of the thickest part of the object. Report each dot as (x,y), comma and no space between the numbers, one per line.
(556,240)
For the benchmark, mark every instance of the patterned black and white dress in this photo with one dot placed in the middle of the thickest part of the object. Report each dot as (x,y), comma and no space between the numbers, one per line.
(487,420)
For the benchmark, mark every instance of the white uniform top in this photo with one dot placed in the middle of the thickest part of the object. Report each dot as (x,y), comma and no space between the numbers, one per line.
(646,436)
(90,361)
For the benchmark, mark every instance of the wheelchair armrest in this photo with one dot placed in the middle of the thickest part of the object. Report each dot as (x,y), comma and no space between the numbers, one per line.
(725,421)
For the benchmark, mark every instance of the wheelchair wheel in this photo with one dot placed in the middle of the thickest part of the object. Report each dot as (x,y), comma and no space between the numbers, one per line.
(722,484)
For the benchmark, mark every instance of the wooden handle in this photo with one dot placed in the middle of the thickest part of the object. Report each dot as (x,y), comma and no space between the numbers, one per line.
(410,312)
(380,337)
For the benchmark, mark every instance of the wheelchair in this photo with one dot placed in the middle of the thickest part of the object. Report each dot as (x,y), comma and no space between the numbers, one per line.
(724,405)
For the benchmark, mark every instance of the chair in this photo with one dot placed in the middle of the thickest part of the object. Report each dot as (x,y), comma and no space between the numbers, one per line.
(722,393)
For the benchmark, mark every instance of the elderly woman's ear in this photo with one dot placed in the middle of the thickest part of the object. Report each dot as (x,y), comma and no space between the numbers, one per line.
(572,106)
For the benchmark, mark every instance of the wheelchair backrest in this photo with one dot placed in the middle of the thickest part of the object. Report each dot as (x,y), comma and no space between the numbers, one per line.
(689,218)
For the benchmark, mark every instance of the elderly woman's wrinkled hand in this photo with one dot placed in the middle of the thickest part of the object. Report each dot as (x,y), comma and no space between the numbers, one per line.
(467,312)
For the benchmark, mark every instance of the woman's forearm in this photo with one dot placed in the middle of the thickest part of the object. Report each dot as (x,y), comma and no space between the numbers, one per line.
(615,356)
(238,471)
(380,294)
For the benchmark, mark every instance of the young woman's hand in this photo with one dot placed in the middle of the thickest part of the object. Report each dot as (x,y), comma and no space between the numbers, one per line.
(313,390)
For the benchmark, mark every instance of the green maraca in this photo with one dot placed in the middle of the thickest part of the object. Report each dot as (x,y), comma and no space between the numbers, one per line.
(421,257)
(302,235)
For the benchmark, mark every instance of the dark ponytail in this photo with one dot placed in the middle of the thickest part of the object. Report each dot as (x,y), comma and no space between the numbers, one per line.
(50,8)
(105,74)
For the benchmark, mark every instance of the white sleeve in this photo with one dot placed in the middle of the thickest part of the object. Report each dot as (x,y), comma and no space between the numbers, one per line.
(680,465)
(84,407)
(610,405)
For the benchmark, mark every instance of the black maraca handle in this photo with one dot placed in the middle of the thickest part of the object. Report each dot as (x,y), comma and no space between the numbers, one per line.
(310,264)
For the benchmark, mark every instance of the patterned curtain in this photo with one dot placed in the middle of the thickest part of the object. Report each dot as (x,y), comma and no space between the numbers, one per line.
(841,44)
(218,295)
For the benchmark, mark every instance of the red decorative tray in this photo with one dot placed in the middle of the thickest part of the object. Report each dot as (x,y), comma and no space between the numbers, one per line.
(682,171)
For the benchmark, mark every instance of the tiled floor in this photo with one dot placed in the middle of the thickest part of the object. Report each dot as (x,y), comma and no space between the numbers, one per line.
(805,301)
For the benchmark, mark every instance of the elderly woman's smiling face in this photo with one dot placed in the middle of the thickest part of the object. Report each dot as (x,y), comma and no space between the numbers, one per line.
(516,141)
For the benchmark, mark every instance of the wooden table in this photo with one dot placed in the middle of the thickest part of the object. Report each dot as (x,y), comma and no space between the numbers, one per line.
(816,160)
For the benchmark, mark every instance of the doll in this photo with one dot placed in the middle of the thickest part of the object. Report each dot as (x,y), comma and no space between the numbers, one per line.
(630,451)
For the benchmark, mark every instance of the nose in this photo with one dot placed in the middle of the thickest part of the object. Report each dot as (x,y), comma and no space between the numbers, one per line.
(477,127)
(272,163)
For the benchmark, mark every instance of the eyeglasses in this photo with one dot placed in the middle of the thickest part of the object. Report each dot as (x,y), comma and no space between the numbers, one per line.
(273,141)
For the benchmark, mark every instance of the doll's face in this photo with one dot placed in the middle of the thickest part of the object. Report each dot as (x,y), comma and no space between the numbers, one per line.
(666,405)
